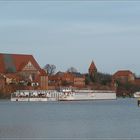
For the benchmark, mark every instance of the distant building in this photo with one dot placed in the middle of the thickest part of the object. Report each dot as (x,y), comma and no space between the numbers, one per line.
(43,79)
(23,68)
(78,80)
(67,79)
(124,76)
(60,79)
(92,69)
(137,81)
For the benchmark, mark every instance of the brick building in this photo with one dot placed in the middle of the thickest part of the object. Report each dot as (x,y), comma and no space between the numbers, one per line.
(78,80)
(67,79)
(92,69)
(124,76)
(23,69)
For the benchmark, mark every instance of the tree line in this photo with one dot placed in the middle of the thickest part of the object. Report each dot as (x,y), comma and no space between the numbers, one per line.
(51,69)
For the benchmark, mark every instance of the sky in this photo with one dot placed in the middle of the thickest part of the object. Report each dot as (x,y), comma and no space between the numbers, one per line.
(73,33)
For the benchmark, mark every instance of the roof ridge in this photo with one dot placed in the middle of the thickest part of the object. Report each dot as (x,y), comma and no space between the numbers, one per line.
(16,54)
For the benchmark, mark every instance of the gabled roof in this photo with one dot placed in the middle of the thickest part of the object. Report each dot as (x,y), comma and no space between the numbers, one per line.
(123,73)
(20,59)
(15,62)
(92,66)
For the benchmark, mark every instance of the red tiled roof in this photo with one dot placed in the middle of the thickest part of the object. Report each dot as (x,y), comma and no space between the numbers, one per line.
(123,73)
(19,60)
(22,65)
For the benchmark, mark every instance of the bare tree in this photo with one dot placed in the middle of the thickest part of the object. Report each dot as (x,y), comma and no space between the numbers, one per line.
(50,69)
(72,69)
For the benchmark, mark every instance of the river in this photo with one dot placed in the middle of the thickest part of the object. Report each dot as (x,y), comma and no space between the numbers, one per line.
(79,120)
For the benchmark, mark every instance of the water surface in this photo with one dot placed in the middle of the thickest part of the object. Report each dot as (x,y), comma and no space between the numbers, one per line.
(99,119)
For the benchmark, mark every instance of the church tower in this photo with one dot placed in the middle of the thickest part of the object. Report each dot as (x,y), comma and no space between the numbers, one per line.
(92,69)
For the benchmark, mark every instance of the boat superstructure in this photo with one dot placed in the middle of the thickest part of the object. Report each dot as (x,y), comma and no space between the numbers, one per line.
(61,95)
(88,95)
(35,95)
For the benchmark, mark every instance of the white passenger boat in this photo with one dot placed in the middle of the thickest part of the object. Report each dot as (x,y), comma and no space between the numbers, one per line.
(87,95)
(61,95)
(35,95)
(137,94)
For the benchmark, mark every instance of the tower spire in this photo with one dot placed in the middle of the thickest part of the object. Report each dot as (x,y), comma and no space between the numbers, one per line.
(92,68)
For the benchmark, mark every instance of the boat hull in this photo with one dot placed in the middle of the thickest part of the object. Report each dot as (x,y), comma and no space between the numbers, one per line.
(30,99)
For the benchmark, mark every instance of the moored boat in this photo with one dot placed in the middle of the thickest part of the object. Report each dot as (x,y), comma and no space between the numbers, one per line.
(34,95)
(62,95)
(137,94)
(88,95)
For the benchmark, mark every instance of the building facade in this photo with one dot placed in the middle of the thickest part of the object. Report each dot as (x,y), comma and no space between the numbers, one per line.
(65,79)
(124,76)
(24,70)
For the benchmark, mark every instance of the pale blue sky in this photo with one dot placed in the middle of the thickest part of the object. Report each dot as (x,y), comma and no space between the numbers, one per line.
(73,33)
